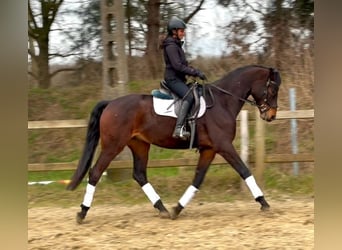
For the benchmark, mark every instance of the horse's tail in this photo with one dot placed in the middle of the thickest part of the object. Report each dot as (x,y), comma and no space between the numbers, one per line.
(92,139)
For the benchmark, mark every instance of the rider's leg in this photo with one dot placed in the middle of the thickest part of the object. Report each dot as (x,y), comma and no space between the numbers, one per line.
(181,90)
(180,131)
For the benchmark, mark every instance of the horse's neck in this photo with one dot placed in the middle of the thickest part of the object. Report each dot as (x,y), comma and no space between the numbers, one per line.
(235,106)
(232,102)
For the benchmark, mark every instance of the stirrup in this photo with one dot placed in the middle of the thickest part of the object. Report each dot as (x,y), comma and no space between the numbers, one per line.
(181,133)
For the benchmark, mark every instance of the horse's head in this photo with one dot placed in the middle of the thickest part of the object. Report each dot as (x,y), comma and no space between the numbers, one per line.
(265,94)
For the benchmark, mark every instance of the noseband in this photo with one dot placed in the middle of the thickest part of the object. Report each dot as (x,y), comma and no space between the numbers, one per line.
(265,106)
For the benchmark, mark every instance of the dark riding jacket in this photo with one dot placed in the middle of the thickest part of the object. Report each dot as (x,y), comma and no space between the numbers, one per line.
(176,65)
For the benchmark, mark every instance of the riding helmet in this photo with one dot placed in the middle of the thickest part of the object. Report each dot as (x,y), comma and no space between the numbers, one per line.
(175,23)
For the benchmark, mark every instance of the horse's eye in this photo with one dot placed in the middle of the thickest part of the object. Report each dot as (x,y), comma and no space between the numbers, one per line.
(273,91)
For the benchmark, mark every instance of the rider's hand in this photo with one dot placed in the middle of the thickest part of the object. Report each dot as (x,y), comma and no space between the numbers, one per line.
(201,75)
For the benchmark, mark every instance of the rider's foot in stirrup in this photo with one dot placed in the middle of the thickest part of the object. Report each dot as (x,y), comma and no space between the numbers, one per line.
(181,133)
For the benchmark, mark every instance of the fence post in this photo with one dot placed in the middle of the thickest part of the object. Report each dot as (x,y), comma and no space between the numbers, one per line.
(244,134)
(292,93)
(259,149)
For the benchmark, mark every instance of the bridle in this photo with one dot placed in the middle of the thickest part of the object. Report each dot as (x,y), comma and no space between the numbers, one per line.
(264,107)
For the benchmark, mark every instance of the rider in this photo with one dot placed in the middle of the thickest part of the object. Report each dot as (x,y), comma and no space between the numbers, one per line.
(176,68)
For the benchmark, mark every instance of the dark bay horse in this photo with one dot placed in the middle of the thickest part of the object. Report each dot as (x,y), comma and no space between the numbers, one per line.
(131,121)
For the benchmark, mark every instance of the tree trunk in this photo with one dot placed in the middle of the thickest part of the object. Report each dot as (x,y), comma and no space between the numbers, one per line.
(44,78)
(129,27)
(34,66)
(153,54)
(39,27)
(281,34)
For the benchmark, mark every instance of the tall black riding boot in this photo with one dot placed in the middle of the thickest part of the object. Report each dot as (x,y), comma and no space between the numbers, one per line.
(180,131)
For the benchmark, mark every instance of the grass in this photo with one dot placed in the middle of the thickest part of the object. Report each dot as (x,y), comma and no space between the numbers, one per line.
(222,184)
(288,183)
(49,175)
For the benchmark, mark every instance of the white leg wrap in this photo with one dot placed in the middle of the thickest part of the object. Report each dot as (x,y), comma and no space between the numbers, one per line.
(188,195)
(253,187)
(89,195)
(150,193)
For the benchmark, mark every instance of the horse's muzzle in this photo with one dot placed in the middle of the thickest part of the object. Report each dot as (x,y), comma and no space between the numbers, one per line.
(269,115)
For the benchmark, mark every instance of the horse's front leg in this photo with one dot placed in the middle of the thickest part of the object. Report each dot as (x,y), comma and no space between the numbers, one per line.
(140,151)
(235,161)
(206,157)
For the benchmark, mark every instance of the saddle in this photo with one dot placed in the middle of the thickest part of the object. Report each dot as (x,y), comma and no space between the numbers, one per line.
(164,99)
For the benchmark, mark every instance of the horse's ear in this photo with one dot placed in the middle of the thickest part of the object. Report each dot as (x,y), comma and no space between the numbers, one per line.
(275,76)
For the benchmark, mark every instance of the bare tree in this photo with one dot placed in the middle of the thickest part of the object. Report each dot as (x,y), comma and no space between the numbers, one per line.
(41,16)
(272,29)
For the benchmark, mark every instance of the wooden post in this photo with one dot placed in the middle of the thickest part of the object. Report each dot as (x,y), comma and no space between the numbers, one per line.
(259,149)
(114,66)
(244,134)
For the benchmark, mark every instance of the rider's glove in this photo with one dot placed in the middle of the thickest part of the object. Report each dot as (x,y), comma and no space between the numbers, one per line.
(201,75)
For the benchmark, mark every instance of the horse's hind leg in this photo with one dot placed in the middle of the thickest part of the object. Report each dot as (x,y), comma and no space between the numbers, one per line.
(140,151)
(95,173)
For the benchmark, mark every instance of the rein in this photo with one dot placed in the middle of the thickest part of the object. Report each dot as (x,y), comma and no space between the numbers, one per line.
(253,103)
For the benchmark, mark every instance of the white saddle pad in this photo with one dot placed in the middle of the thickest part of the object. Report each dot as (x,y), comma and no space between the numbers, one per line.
(161,107)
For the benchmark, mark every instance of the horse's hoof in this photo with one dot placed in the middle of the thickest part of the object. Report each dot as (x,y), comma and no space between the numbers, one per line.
(264,205)
(265,208)
(173,216)
(79,217)
(164,215)
(174,213)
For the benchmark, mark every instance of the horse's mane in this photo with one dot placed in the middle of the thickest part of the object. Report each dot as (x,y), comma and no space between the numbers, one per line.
(226,78)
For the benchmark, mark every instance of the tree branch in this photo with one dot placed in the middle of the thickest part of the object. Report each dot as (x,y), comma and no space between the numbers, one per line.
(31,33)
(64,55)
(31,53)
(62,70)
(56,6)
(32,74)
(191,15)
(254,9)
(31,16)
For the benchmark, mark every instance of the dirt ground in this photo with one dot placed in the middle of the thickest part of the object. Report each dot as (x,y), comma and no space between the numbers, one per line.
(231,225)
